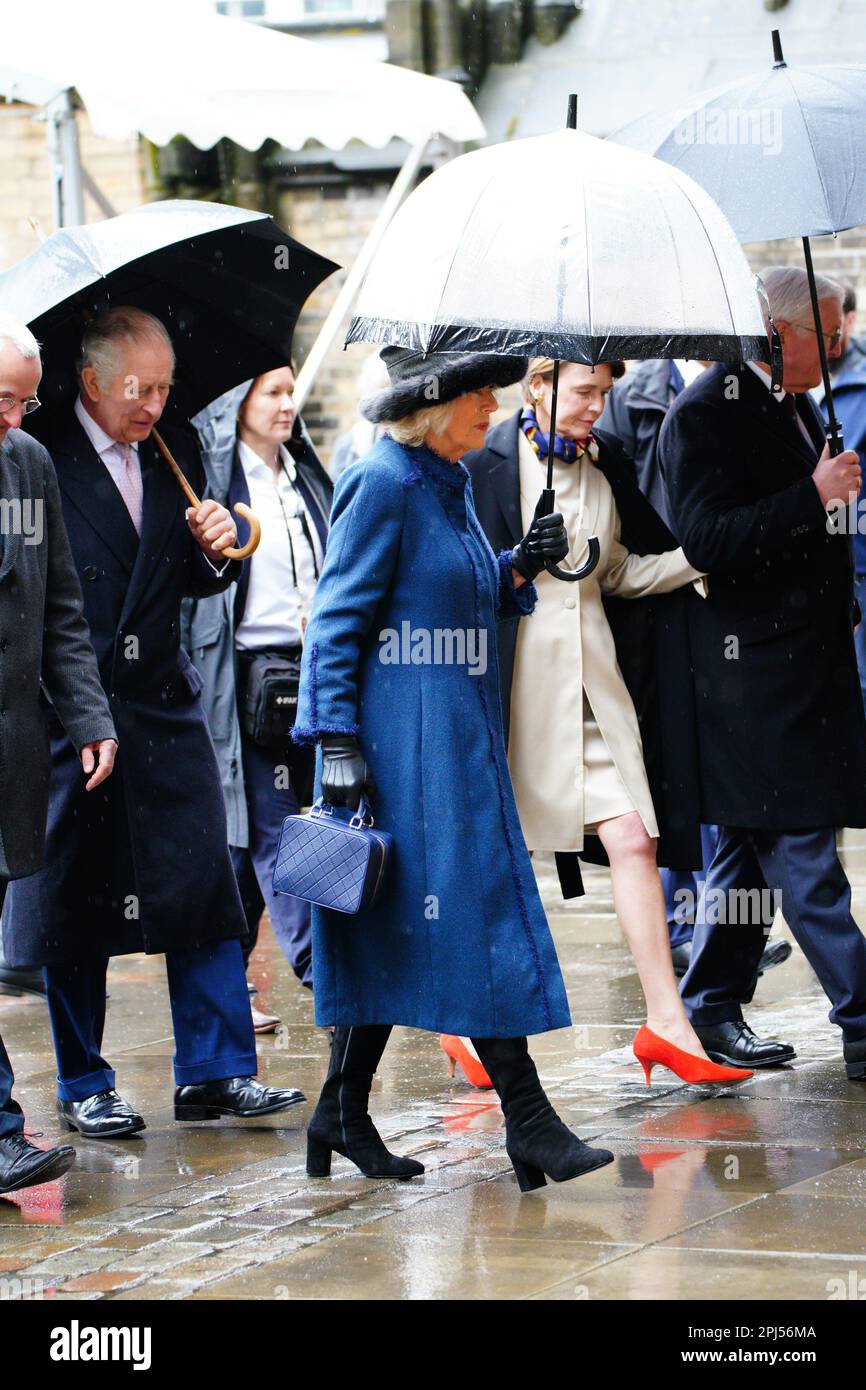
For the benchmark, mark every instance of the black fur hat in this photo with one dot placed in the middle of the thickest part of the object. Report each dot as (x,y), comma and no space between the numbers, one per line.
(419,379)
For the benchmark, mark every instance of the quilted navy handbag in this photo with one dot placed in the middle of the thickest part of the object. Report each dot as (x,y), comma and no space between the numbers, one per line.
(333,857)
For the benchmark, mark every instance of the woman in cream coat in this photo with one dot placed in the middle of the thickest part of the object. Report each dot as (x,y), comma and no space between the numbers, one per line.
(575,751)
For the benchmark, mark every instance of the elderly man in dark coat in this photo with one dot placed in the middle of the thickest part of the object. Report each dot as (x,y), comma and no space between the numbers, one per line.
(43,639)
(782,733)
(144,864)
(635,412)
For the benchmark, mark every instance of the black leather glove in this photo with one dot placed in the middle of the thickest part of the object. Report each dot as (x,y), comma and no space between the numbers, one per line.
(344,772)
(545,540)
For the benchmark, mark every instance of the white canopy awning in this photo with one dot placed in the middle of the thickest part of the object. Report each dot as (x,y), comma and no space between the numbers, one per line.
(172,67)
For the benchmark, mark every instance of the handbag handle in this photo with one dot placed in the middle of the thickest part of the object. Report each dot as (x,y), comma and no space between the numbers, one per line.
(363,817)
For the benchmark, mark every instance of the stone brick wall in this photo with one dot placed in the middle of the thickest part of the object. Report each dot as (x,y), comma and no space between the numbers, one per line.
(335,221)
(842,256)
(25,185)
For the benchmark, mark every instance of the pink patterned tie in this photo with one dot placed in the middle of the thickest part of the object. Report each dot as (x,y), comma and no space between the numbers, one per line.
(129,483)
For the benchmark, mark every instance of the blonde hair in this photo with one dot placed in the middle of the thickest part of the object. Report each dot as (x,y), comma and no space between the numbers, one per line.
(413,429)
(543,367)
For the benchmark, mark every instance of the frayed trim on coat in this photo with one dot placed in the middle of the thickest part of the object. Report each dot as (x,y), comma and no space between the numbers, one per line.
(524,599)
(311,733)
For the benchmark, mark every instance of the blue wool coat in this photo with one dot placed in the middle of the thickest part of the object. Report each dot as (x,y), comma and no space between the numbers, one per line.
(458,941)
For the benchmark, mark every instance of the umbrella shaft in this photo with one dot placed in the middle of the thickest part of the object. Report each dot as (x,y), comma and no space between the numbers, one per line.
(552,436)
(834,430)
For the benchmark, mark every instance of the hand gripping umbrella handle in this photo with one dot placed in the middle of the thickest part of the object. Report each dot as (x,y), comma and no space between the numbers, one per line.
(544,508)
(232,552)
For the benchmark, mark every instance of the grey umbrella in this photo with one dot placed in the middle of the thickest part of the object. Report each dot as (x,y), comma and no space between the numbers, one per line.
(783,153)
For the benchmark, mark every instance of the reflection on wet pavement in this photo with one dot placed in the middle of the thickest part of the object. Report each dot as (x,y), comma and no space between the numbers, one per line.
(753,1193)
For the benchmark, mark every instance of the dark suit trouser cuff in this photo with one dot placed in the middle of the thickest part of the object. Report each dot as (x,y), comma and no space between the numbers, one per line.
(709,1015)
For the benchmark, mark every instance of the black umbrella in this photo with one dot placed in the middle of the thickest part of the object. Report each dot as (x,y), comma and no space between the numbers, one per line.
(227,283)
(783,153)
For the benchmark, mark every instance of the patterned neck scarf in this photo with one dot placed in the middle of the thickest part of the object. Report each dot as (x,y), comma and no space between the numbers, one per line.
(566,450)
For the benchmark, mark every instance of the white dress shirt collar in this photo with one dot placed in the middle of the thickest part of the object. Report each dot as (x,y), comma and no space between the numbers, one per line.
(101,441)
(767,380)
(255,466)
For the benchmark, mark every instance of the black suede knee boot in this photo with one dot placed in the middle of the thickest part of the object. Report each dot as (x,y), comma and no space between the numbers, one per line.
(536,1139)
(340,1120)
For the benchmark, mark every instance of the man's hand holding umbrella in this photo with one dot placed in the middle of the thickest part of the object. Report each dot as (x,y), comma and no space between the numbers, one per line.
(213,529)
(837,478)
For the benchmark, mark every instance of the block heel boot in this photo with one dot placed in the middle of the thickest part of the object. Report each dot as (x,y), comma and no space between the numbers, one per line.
(539,1145)
(340,1122)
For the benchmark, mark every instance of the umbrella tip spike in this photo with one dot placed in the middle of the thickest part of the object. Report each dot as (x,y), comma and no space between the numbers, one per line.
(778,58)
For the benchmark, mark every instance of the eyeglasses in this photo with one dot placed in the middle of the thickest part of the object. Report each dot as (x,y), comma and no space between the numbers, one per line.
(832,339)
(8,403)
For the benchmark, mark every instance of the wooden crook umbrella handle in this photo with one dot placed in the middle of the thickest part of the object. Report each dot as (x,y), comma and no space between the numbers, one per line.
(232,552)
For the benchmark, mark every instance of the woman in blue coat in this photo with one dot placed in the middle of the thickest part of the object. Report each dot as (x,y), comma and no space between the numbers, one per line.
(400,686)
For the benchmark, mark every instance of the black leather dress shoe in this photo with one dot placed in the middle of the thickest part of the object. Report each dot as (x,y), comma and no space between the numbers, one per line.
(23,1165)
(735,1045)
(855,1059)
(681,957)
(17,980)
(241,1096)
(103,1116)
(774,953)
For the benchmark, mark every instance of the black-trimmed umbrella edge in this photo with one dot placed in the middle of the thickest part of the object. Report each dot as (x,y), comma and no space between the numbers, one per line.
(567,347)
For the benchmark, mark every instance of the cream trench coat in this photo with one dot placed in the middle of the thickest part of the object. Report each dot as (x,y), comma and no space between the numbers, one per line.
(565,650)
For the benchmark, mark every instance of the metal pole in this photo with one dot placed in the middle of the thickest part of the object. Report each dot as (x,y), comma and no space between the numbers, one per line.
(834,429)
(67,186)
(331,327)
(547,503)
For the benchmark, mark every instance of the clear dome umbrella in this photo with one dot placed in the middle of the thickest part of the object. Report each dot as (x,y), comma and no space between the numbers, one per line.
(568,247)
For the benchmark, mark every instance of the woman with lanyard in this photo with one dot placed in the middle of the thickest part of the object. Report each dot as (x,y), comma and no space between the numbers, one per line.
(247,644)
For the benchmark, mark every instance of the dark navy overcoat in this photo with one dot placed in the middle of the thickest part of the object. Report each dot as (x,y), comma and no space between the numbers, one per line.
(458,942)
(141,862)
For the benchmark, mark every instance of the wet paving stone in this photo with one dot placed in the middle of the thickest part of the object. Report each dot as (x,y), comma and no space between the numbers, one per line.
(759,1189)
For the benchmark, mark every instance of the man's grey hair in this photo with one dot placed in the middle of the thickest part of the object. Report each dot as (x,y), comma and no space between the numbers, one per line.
(19,335)
(787,289)
(104,340)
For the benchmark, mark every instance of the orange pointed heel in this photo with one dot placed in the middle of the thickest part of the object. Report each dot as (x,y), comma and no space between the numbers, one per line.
(457,1051)
(651,1050)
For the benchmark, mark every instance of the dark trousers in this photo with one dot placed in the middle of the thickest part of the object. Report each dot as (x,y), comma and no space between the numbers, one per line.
(801,872)
(210,1009)
(11,1114)
(676,882)
(860,632)
(267,807)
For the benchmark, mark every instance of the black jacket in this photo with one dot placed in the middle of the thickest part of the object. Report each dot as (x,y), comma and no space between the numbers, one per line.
(650,637)
(141,862)
(635,412)
(782,732)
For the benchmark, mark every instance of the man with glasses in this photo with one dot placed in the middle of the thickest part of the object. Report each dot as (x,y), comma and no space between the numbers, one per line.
(44,645)
(781,724)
